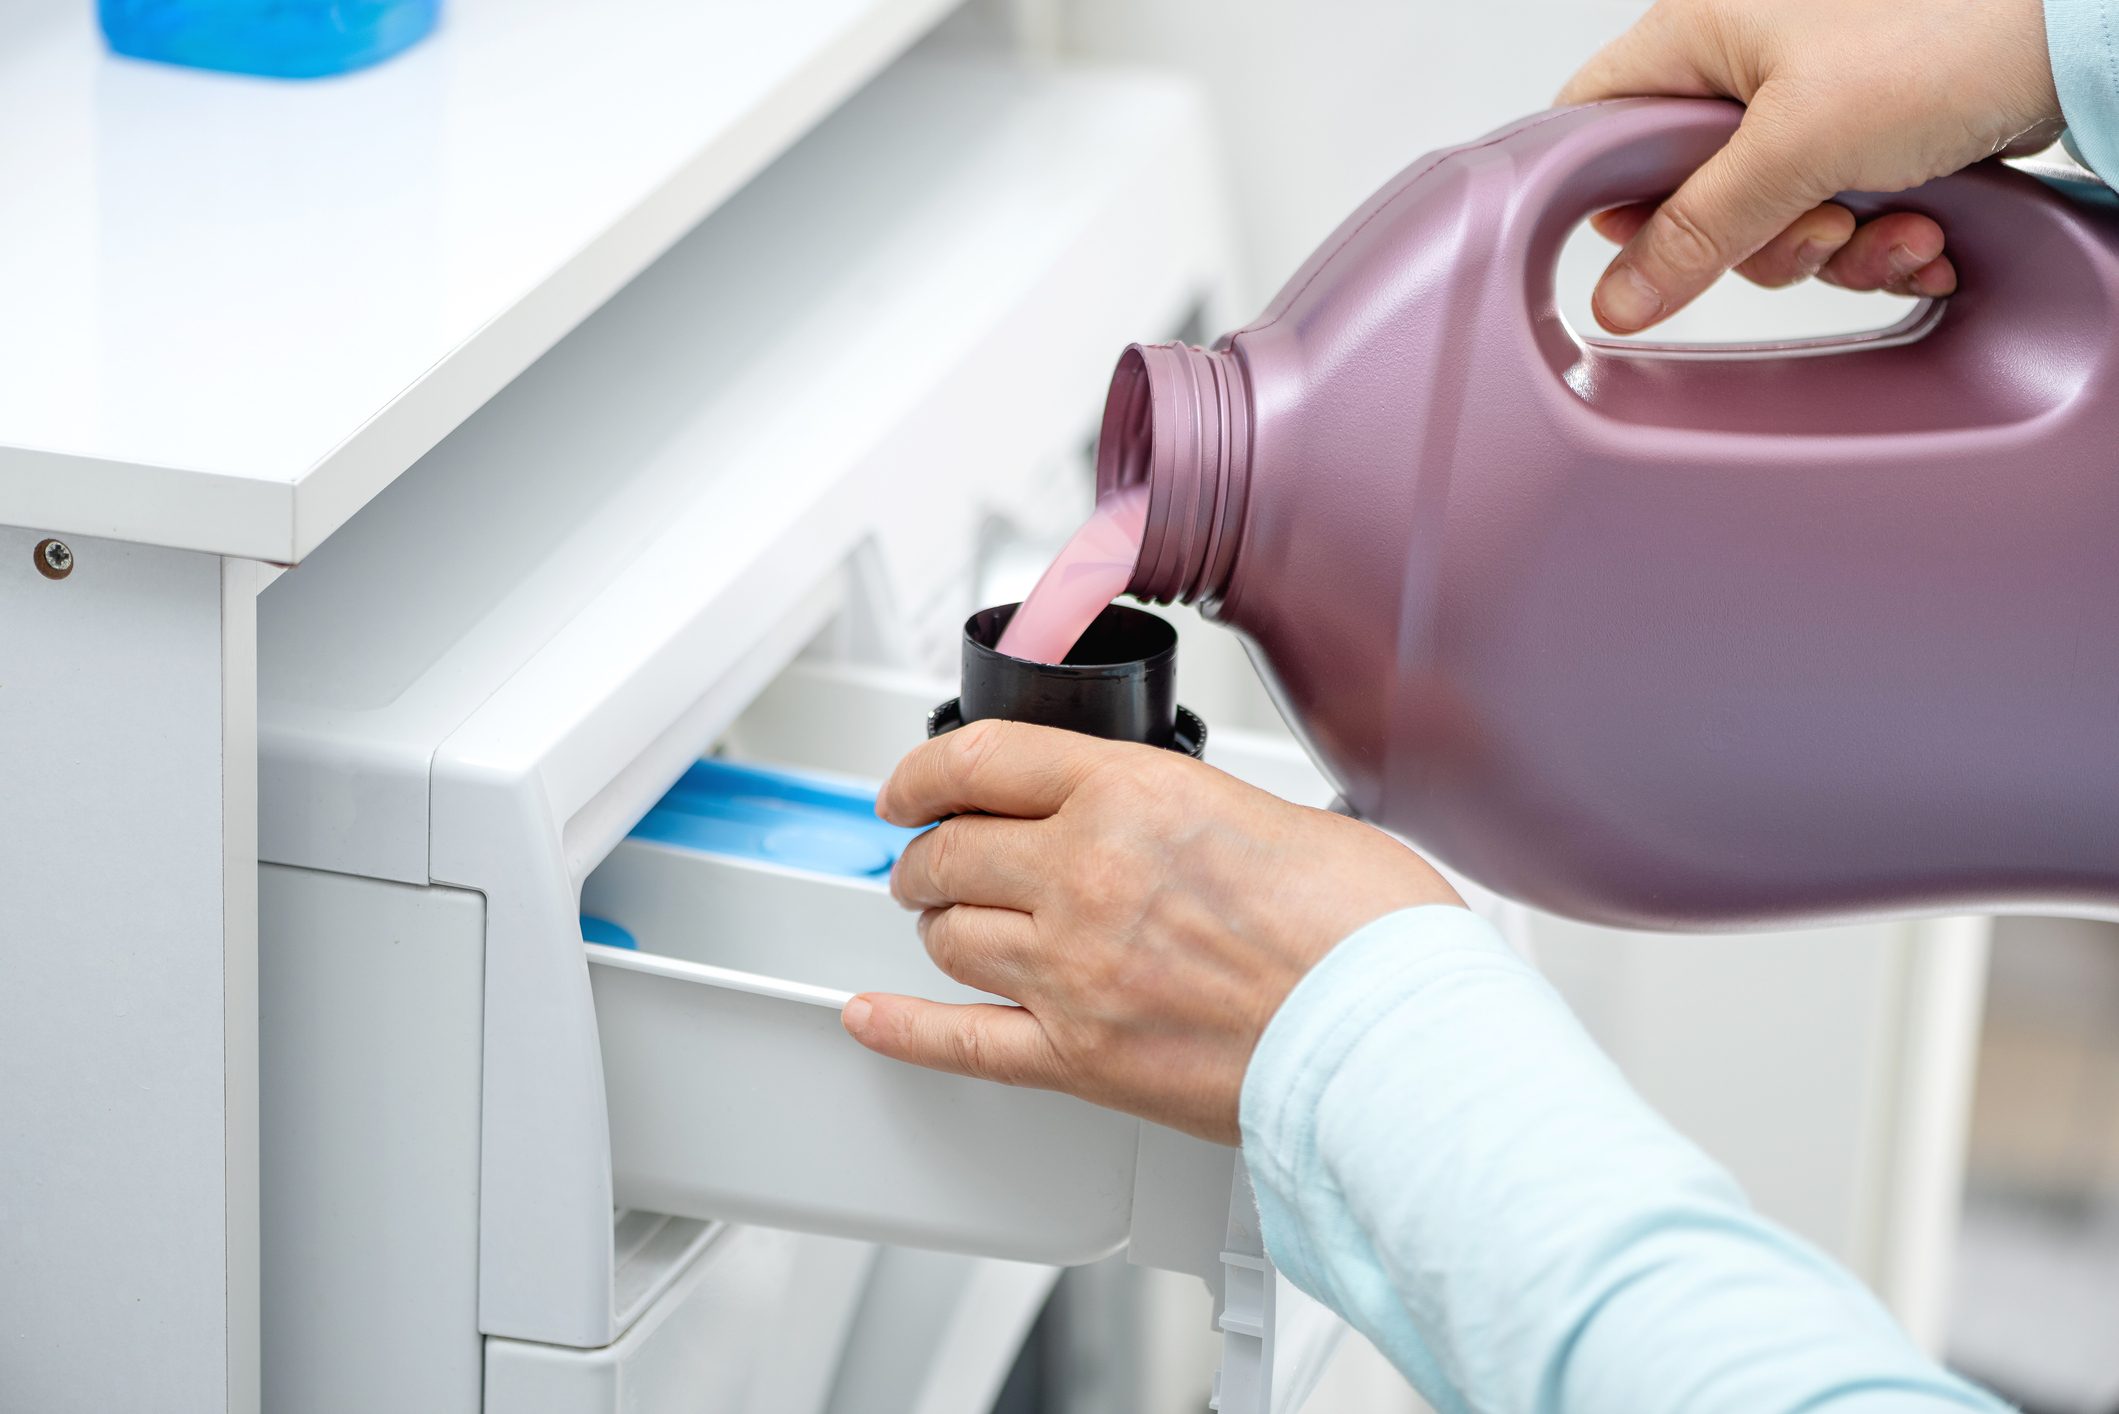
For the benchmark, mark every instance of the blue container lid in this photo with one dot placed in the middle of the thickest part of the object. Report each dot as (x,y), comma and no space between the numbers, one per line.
(289,39)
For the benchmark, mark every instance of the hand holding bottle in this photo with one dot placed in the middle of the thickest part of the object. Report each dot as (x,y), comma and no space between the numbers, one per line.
(1840,95)
(1150,914)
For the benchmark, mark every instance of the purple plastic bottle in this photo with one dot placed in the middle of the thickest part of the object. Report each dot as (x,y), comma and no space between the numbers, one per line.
(1678,640)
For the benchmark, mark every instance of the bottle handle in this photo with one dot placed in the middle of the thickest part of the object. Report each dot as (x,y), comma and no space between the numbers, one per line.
(1916,324)
(2019,250)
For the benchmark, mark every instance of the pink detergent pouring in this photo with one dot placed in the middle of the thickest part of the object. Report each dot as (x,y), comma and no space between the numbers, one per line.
(1658,638)
(1090,572)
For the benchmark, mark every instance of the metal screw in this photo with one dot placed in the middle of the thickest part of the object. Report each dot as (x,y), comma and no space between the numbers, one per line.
(54,558)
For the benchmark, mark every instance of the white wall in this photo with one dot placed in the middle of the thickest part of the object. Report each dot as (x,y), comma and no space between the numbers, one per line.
(1320,102)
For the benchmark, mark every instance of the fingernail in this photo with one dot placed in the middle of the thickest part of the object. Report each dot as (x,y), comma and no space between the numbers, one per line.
(854,1016)
(1811,255)
(1625,299)
(1904,261)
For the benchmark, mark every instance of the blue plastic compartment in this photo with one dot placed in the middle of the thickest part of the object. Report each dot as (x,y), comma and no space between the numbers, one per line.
(609,934)
(289,39)
(782,817)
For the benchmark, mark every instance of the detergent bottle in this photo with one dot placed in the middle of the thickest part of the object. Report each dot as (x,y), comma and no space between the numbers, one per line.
(1668,637)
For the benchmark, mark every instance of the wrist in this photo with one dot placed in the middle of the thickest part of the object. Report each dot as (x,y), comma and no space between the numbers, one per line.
(1351,990)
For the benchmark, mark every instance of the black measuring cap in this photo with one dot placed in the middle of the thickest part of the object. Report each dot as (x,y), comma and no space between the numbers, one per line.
(1118,682)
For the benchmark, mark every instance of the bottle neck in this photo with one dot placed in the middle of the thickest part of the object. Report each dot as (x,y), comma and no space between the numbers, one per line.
(1179,419)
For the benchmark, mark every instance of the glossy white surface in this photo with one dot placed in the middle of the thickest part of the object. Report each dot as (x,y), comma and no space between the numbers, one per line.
(235,309)
(920,304)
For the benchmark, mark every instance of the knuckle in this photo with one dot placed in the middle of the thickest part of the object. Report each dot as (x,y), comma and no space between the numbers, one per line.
(939,851)
(1102,972)
(1772,274)
(1130,782)
(972,747)
(1110,892)
(968,1047)
(1109,795)
(1687,239)
(1181,795)
(956,946)
(1109,865)
(938,934)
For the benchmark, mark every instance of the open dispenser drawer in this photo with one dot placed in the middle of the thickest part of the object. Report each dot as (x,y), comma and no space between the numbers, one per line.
(724,934)
(734,1092)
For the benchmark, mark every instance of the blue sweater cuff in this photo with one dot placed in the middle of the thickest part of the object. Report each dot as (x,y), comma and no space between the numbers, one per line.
(1333,1010)
(1442,1155)
(2082,40)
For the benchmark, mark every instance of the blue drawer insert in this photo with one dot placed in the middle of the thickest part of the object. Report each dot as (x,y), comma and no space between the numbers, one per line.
(778,816)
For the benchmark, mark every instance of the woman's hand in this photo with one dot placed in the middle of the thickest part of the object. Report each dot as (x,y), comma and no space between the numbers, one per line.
(1840,95)
(1150,914)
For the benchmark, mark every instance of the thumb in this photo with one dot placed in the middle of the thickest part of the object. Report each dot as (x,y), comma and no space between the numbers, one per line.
(989,1042)
(1740,199)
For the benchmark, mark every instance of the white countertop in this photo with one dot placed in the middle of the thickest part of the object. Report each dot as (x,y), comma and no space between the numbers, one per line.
(232,309)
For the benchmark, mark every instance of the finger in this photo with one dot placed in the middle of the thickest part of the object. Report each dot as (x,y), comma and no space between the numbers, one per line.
(981,947)
(1738,200)
(1932,281)
(1647,59)
(1000,768)
(1619,224)
(1887,252)
(1802,249)
(985,1040)
(981,859)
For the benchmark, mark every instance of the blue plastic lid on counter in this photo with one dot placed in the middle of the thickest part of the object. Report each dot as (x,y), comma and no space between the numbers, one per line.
(776,816)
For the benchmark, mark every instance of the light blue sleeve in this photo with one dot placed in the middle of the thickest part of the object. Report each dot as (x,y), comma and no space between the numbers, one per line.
(1443,1156)
(2082,40)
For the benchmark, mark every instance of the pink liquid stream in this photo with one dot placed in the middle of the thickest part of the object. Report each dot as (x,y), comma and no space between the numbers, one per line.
(1091,571)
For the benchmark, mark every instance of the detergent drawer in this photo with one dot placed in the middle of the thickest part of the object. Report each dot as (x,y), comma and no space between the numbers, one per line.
(734,1093)
(724,933)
